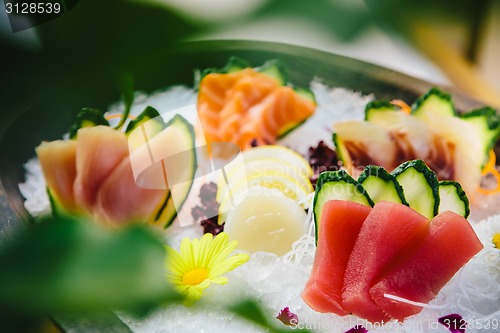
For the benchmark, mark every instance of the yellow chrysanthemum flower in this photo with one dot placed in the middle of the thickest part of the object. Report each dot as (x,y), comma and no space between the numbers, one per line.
(201,262)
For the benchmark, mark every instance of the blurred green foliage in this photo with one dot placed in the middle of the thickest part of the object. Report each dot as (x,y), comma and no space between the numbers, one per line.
(65,263)
(91,45)
(97,41)
(348,19)
(338,17)
(401,17)
(71,266)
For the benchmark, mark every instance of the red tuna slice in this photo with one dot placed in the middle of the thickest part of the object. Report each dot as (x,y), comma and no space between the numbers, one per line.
(57,159)
(99,150)
(341,222)
(385,234)
(448,244)
(121,200)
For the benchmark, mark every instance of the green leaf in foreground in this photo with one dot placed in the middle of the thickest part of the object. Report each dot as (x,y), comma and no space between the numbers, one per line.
(66,263)
(249,310)
(71,267)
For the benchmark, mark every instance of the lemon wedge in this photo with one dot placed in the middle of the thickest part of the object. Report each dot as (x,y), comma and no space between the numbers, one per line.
(265,167)
(280,153)
(286,185)
(273,167)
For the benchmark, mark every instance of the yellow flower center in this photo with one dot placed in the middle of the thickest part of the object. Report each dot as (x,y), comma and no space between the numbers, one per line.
(195,277)
(496,240)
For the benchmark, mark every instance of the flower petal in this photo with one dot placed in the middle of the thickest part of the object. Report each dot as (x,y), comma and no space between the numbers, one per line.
(217,245)
(287,317)
(176,281)
(223,252)
(186,252)
(228,265)
(220,280)
(204,251)
(204,284)
(174,262)
(193,294)
(207,253)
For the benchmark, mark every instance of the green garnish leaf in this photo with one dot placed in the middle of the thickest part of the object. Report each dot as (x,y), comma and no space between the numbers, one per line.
(126,85)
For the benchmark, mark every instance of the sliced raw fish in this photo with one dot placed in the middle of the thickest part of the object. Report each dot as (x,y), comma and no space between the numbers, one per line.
(99,150)
(386,234)
(121,200)
(341,222)
(449,243)
(57,159)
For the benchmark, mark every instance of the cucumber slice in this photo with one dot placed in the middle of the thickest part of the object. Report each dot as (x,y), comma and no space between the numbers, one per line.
(305,93)
(487,123)
(434,102)
(147,124)
(276,69)
(412,136)
(342,152)
(234,64)
(166,212)
(381,185)
(376,109)
(472,135)
(87,117)
(420,187)
(337,185)
(453,198)
(149,113)
(287,129)
(166,208)
(56,208)
(468,152)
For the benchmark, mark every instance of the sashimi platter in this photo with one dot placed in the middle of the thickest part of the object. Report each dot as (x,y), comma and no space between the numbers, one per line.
(336,210)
